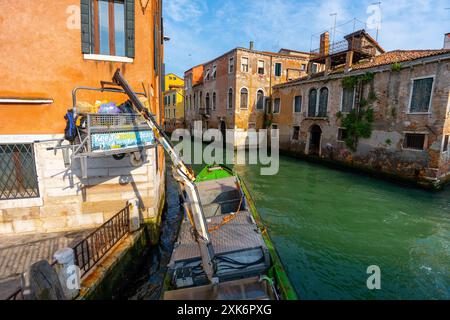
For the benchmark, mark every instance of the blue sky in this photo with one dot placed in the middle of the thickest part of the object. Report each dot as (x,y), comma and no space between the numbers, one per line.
(201,30)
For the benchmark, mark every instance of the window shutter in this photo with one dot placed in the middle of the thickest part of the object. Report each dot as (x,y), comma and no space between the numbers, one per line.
(86,26)
(130,28)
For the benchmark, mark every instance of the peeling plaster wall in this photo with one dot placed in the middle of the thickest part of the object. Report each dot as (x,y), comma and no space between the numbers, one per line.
(392,120)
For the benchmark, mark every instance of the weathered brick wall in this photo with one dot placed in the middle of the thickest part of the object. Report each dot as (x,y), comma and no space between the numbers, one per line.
(70,202)
(392,120)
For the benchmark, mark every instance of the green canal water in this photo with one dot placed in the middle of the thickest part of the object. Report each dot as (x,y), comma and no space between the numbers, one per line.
(329,226)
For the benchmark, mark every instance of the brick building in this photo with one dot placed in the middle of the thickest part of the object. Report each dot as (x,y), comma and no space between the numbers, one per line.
(230,92)
(387,112)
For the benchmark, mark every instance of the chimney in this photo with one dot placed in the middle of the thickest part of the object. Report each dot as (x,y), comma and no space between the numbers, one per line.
(252,44)
(325,44)
(447,41)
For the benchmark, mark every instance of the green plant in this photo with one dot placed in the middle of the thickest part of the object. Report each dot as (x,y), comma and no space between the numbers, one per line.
(339,115)
(367,77)
(372,96)
(349,82)
(393,112)
(396,67)
(359,125)
(388,142)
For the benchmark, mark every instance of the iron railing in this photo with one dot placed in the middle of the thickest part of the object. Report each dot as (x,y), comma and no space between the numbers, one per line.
(90,250)
(352,44)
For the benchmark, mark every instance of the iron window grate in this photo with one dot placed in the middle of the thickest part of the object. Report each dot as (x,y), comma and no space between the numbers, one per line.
(18,177)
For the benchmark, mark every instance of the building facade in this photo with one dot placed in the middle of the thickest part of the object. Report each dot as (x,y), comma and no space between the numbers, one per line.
(230,92)
(384,112)
(173,102)
(62,45)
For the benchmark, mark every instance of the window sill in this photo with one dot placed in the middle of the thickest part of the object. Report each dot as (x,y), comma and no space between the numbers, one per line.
(21,203)
(102,57)
(419,113)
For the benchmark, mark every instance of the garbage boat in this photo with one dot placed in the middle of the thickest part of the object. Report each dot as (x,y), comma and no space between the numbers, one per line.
(247,264)
(223,250)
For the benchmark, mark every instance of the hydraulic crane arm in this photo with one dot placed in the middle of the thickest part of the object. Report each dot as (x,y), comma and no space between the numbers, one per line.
(182,174)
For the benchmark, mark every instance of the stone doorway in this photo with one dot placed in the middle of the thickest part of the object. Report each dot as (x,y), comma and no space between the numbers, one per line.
(315,139)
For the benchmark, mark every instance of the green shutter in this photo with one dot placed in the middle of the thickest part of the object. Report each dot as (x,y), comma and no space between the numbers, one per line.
(86,26)
(130,28)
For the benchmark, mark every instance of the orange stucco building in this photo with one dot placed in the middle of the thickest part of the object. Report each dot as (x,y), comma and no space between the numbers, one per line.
(49,48)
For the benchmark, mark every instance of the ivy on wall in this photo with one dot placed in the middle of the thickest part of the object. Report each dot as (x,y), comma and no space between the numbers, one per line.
(358,123)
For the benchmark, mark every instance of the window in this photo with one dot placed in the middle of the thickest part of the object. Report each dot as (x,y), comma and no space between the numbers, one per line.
(195,101)
(230,98)
(231,65)
(348,99)
(168,100)
(421,95)
(414,141)
(314,68)
(323,102)
(277,69)
(174,99)
(296,134)
(446,139)
(244,98)
(303,67)
(260,67)
(18,177)
(107,27)
(244,64)
(214,72)
(200,100)
(312,103)
(214,101)
(207,75)
(207,100)
(298,104)
(260,100)
(342,134)
(276,105)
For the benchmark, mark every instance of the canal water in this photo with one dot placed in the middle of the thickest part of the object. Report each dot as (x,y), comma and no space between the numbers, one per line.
(329,226)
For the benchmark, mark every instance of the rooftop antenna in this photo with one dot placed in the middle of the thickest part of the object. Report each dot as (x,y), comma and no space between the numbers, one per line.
(379,22)
(334,28)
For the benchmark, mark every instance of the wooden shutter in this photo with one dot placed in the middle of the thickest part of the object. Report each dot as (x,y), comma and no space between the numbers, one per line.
(86,26)
(129,28)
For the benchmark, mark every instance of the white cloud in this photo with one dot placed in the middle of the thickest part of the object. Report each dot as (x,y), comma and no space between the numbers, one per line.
(185,10)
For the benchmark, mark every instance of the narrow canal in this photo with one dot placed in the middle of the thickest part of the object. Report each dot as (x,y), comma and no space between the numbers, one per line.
(329,226)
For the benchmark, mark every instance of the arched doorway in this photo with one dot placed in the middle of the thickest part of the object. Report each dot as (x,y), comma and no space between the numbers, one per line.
(315,138)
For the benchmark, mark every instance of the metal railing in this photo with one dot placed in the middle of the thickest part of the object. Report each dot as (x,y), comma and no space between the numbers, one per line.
(352,44)
(89,251)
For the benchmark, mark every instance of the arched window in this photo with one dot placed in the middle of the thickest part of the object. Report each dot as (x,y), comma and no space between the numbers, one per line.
(200,103)
(260,100)
(244,98)
(230,98)
(312,103)
(214,101)
(195,101)
(207,101)
(323,102)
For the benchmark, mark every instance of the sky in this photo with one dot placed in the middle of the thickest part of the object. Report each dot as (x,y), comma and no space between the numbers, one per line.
(201,30)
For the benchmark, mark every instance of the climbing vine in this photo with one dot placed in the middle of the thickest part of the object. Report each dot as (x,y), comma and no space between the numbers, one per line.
(358,123)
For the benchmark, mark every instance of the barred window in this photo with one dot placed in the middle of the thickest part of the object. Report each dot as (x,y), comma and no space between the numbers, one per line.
(276,105)
(312,103)
(18,177)
(414,141)
(323,102)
